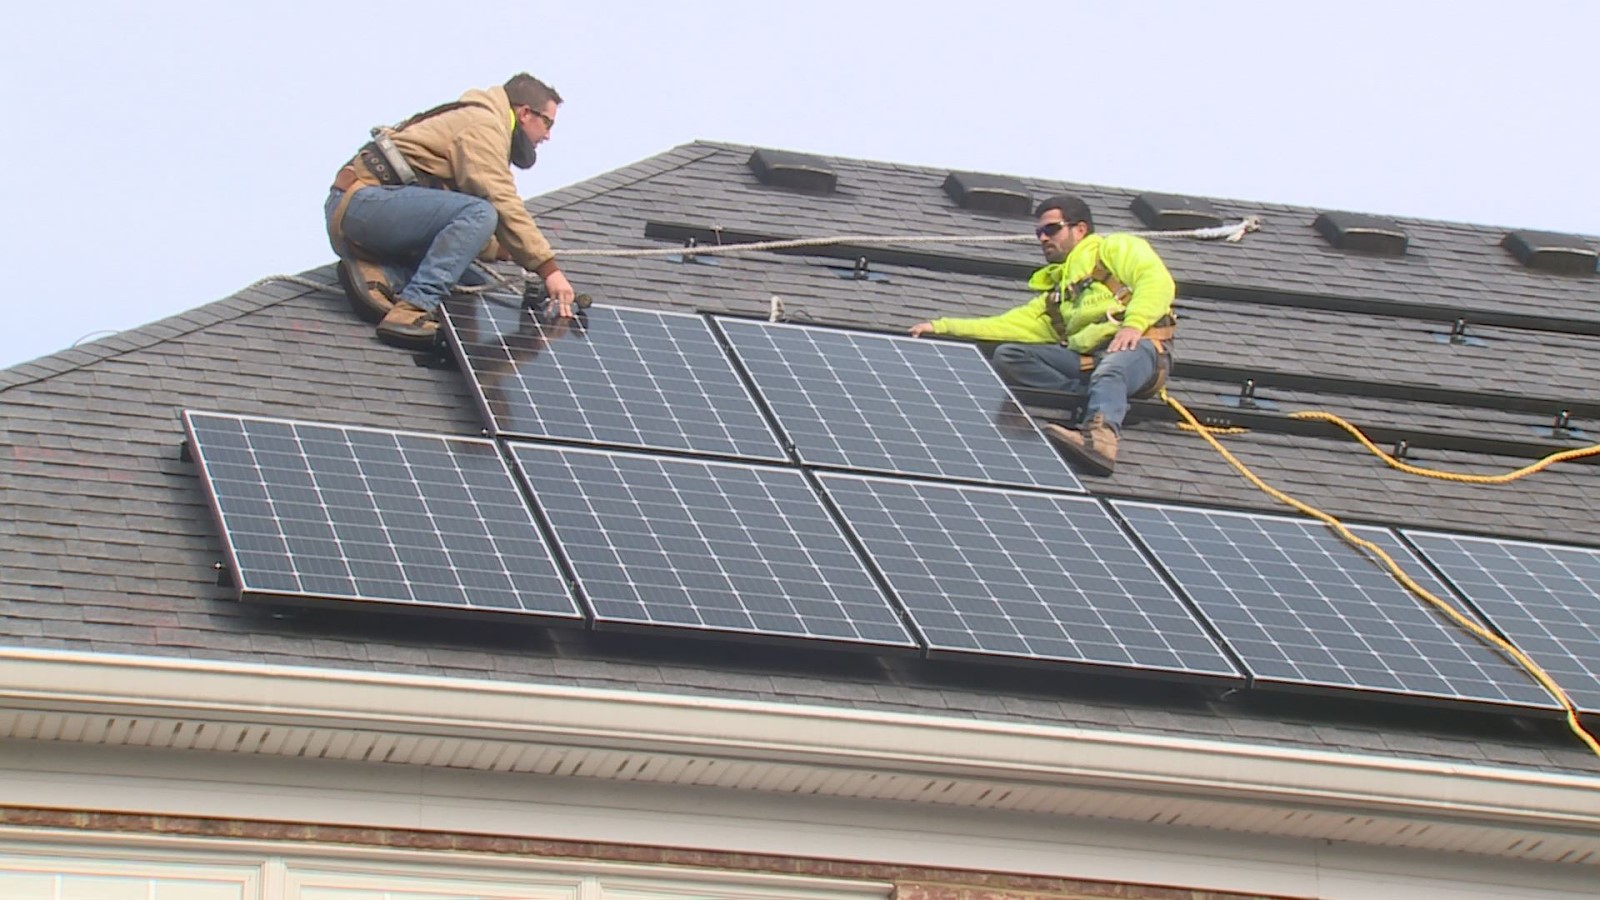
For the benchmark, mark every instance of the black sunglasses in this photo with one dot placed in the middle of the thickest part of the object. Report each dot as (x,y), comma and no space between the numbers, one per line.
(1051,229)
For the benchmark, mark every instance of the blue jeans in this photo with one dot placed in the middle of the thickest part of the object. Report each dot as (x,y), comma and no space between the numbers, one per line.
(1050,367)
(426,239)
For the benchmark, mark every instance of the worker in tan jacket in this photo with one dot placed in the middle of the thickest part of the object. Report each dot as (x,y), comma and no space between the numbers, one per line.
(410,212)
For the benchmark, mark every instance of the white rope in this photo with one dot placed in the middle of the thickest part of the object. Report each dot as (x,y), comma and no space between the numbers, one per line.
(1232,233)
(292,279)
(497,281)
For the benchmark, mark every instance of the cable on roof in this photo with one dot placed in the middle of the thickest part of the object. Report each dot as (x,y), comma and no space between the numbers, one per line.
(1545,463)
(1379,555)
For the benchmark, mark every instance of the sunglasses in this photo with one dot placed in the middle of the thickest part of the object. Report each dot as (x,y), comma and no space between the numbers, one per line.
(1051,229)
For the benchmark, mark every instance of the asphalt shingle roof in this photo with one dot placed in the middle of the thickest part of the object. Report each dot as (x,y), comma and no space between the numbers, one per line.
(107,544)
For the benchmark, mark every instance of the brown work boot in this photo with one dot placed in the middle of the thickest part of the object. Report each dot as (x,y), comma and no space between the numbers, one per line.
(1092,445)
(367,287)
(407,326)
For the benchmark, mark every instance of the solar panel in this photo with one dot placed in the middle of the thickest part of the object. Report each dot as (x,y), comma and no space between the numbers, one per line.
(335,512)
(884,403)
(628,377)
(1023,574)
(1302,607)
(713,546)
(1544,597)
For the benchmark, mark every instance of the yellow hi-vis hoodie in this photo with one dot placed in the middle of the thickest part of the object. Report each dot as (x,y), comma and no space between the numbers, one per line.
(1088,318)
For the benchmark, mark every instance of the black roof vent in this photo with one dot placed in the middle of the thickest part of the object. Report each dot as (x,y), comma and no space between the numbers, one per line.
(1169,212)
(799,171)
(1368,234)
(1546,251)
(989,193)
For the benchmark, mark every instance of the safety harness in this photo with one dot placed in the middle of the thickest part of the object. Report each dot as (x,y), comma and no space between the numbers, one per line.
(379,162)
(1160,333)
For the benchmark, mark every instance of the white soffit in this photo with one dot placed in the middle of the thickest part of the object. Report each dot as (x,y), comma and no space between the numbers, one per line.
(634,737)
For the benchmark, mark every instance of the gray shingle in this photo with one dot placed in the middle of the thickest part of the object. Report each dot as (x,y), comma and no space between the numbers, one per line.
(106,542)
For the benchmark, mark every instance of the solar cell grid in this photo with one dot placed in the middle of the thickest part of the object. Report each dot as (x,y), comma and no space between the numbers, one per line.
(626,377)
(1544,597)
(335,512)
(884,403)
(711,546)
(1300,606)
(1022,574)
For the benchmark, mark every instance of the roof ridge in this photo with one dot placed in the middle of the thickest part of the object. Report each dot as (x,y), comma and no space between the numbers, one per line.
(250,299)
(624,176)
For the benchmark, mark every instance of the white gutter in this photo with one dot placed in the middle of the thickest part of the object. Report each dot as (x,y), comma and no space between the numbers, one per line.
(752,731)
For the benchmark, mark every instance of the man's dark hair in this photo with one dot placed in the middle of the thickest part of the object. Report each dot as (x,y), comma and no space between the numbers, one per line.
(523,89)
(1071,208)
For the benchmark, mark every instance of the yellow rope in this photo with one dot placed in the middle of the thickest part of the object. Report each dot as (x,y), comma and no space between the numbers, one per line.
(1450,612)
(1409,469)
(1185,426)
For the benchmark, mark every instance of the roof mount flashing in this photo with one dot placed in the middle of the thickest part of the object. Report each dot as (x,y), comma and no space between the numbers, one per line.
(1363,233)
(995,194)
(1170,212)
(1546,251)
(796,171)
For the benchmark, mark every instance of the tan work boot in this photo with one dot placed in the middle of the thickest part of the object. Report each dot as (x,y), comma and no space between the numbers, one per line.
(407,326)
(367,287)
(1093,445)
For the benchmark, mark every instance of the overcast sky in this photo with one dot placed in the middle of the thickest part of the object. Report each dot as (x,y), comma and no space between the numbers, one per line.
(163,155)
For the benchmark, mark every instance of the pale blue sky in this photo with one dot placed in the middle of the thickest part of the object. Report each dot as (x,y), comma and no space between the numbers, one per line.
(163,155)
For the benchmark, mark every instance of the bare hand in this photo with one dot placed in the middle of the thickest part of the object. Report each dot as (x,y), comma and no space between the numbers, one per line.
(1124,339)
(921,328)
(560,293)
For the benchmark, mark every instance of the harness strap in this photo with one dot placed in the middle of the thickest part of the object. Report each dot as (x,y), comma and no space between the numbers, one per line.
(429,113)
(1112,282)
(1099,274)
(368,168)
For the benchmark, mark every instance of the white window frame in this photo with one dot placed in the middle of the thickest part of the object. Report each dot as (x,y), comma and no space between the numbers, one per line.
(265,870)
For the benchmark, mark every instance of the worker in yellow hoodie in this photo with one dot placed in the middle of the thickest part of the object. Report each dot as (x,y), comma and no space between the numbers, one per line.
(1100,325)
(412,210)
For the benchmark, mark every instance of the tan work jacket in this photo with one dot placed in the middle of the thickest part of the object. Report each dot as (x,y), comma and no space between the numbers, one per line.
(469,148)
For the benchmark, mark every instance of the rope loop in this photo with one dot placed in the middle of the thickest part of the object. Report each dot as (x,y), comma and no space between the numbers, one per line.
(1386,561)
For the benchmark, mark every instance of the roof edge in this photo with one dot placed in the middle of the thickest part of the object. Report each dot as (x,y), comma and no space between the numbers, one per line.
(251,298)
(1208,778)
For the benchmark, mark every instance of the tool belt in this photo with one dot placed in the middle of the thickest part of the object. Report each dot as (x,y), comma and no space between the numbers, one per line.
(370,167)
(367,169)
(373,159)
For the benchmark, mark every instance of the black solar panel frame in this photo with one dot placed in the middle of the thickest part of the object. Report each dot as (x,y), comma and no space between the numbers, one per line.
(1067,480)
(937,649)
(1391,542)
(1586,696)
(235,574)
(503,314)
(601,620)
